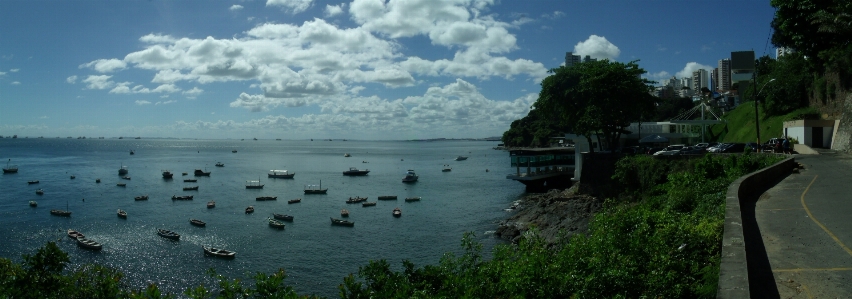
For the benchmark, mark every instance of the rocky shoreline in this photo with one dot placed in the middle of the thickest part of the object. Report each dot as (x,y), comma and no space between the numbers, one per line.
(550,213)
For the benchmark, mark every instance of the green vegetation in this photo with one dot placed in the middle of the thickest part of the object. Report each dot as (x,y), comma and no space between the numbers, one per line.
(661,238)
(739,126)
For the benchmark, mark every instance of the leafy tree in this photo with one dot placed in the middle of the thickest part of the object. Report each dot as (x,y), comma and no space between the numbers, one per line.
(596,98)
(789,91)
(813,27)
(532,130)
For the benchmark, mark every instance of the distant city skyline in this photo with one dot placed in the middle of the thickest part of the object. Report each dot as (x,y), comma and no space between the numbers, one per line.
(300,69)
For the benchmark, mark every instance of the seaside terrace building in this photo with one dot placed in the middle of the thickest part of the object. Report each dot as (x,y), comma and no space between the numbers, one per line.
(543,168)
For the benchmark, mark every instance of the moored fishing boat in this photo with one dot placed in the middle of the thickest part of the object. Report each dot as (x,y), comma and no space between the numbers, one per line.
(220,164)
(280,174)
(33,203)
(368,204)
(10,168)
(121,184)
(32,182)
(344,213)
(63,213)
(315,189)
(168,234)
(121,213)
(254,185)
(356,172)
(297,200)
(282,217)
(199,172)
(410,199)
(265,198)
(397,212)
(39,191)
(190,180)
(185,197)
(341,222)
(124,177)
(197,222)
(222,253)
(192,188)
(387,197)
(141,197)
(461,158)
(88,244)
(211,204)
(122,170)
(167,174)
(356,199)
(250,210)
(275,223)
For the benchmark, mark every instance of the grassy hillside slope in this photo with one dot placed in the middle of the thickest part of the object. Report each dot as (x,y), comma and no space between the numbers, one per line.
(740,124)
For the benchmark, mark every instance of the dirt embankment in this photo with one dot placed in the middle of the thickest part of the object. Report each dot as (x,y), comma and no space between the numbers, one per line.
(550,213)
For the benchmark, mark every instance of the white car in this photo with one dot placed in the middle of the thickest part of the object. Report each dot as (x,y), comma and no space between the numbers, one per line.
(670,150)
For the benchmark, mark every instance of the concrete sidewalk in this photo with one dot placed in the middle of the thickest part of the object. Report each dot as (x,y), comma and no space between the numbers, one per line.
(801,246)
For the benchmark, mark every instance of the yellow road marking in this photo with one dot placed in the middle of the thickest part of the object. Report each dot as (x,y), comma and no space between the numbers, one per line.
(817,221)
(811,269)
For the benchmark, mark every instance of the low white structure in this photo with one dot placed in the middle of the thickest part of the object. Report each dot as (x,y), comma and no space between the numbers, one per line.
(813,133)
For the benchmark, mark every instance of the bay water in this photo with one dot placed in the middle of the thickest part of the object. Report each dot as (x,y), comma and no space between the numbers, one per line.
(316,255)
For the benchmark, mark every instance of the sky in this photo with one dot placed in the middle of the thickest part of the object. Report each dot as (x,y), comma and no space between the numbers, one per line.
(361,70)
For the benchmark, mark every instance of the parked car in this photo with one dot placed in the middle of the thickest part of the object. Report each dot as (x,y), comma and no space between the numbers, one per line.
(735,148)
(718,148)
(670,150)
(772,145)
(692,150)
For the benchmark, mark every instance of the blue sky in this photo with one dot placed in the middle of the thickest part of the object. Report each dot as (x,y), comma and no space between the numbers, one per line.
(363,69)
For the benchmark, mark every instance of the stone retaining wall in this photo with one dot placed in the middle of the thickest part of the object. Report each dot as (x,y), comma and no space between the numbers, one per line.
(733,273)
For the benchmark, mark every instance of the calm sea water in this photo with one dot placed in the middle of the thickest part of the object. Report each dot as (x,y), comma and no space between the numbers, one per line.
(315,254)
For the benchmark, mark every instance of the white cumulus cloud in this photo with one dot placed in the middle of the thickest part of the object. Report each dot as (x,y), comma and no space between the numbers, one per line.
(334,10)
(597,47)
(71,79)
(105,65)
(98,82)
(296,6)
(235,7)
(142,102)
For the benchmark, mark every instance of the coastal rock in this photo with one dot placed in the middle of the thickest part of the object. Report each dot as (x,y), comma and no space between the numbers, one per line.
(550,213)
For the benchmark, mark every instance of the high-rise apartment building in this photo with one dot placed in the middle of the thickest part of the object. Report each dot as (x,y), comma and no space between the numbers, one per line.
(723,79)
(571,59)
(699,80)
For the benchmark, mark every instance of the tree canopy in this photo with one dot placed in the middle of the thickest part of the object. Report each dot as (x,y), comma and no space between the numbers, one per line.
(596,98)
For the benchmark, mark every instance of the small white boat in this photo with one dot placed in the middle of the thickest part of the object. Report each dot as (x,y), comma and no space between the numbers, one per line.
(219,252)
(410,177)
(121,213)
(33,203)
(211,204)
(88,244)
(73,234)
(461,158)
(397,212)
(39,191)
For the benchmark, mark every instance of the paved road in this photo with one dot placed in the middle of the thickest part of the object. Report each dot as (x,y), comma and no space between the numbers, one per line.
(805,223)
